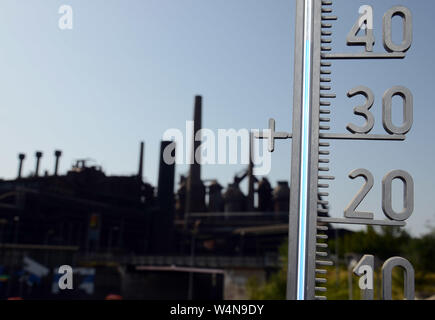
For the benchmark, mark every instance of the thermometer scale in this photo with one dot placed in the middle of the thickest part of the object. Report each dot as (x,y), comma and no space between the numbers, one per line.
(312,99)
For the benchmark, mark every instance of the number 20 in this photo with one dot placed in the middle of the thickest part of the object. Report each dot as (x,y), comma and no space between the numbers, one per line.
(387,206)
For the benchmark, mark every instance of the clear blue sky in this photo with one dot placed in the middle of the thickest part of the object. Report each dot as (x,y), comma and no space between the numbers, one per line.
(130,69)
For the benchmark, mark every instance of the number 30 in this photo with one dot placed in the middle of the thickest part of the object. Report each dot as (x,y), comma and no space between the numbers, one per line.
(387,110)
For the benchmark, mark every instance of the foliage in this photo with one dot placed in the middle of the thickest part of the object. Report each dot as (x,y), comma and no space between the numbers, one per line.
(275,287)
(387,243)
(383,244)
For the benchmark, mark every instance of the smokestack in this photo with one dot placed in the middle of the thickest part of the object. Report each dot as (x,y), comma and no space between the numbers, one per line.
(38,155)
(164,220)
(57,154)
(140,172)
(195,167)
(165,188)
(195,200)
(21,158)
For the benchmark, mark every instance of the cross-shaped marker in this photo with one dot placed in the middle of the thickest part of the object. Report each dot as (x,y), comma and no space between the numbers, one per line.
(272,135)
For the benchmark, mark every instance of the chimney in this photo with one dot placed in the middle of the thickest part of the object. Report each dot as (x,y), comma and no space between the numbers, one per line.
(38,155)
(164,220)
(195,168)
(165,188)
(195,197)
(140,172)
(21,158)
(57,154)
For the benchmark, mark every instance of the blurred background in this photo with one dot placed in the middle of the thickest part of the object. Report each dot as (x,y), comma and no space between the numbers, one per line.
(83,112)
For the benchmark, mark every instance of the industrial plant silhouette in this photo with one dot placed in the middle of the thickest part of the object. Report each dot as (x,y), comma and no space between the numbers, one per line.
(127,237)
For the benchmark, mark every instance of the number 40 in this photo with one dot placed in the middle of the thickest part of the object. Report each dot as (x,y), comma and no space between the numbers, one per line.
(365,21)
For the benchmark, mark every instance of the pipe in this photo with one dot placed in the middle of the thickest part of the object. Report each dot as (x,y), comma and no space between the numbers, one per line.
(38,155)
(141,156)
(57,154)
(21,158)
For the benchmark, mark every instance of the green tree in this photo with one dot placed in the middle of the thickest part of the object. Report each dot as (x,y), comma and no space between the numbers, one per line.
(384,244)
